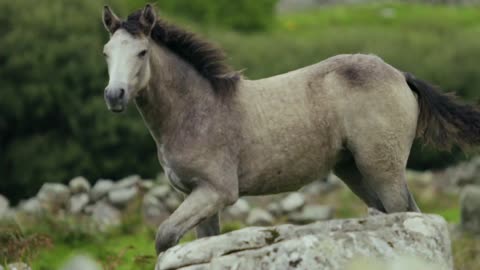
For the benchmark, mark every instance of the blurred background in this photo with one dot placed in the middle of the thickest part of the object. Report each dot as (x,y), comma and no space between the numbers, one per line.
(54,124)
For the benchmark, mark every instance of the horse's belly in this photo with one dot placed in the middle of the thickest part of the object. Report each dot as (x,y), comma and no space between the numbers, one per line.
(268,172)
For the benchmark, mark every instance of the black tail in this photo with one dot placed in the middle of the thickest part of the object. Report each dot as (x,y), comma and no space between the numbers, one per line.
(443,120)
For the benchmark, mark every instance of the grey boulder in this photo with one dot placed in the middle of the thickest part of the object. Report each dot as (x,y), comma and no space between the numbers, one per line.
(329,245)
(100,189)
(79,185)
(54,196)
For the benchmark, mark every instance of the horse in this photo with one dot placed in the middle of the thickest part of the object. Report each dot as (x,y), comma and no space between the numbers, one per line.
(220,136)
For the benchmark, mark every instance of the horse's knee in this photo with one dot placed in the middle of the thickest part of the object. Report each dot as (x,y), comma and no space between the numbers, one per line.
(167,236)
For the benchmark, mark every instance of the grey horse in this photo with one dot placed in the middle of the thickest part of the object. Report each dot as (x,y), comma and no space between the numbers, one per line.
(220,136)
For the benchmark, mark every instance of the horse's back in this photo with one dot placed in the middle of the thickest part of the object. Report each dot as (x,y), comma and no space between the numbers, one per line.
(294,125)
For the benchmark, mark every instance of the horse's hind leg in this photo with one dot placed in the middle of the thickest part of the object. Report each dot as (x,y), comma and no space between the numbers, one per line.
(209,227)
(347,171)
(384,171)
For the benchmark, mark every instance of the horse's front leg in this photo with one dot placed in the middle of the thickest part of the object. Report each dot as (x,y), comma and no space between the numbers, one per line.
(209,227)
(204,202)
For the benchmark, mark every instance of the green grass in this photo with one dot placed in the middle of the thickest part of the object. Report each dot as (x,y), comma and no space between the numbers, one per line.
(116,251)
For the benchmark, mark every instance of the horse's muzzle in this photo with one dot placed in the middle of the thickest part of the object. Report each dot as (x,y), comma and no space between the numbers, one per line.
(116,99)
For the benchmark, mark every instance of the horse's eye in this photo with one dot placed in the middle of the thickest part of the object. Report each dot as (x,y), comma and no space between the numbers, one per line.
(105,55)
(142,53)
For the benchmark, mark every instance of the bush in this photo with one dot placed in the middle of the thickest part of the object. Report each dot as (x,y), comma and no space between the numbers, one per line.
(243,15)
(53,120)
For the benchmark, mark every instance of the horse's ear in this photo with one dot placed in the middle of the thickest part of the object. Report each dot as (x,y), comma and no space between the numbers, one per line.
(110,20)
(148,18)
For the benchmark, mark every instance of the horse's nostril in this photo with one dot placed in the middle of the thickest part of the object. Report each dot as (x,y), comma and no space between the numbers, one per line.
(122,93)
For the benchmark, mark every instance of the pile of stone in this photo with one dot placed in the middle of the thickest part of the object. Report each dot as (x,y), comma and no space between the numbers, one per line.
(107,201)
(104,202)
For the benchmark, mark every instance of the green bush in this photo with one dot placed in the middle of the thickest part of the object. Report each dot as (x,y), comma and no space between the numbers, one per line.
(53,120)
(244,15)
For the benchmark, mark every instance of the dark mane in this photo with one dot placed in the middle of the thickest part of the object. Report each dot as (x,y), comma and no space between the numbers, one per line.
(205,57)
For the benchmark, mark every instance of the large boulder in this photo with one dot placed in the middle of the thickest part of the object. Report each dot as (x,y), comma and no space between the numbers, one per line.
(329,245)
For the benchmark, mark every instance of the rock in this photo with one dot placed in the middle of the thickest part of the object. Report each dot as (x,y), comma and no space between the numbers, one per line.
(146,185)
(470,209)
(172,201)
(121,197)
(239,210)
(154,211)
(100,189)
(18,266)
(31,206)
(322,186)
(274,208)
(105,215)
(260,217)
(127,182)
(78,202)
(79,185)
(397,263)
(4,207)
(160,192)
(54,196)
(328,245)
(81,262)
(424,178)
(292,202)
(311,213)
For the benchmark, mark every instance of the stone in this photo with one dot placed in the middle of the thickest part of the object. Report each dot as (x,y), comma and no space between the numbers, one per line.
(274,208)
(18,266)
(154,211)
(105,215)
(78,202)
(146,185)
(100,189)
(79,185)
(160,192)
(424,177)
(81,262)
(327,245)
(172,201)
(54,196)
(260,217)
(129,181)
(311,213)
(292,202)
(122,197)
(396,263)
(31,206)
(470,209)
(239,210)
(4,207)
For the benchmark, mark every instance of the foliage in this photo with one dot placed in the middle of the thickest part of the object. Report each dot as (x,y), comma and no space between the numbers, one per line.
(244,15)
(53,121)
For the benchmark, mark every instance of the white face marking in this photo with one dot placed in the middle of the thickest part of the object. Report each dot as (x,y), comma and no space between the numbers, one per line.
(128,68)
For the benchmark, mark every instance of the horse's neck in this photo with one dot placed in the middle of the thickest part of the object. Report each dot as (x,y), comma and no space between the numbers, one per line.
(175,94)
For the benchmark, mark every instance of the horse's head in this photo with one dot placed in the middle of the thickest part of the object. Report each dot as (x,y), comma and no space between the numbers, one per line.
(127,55)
